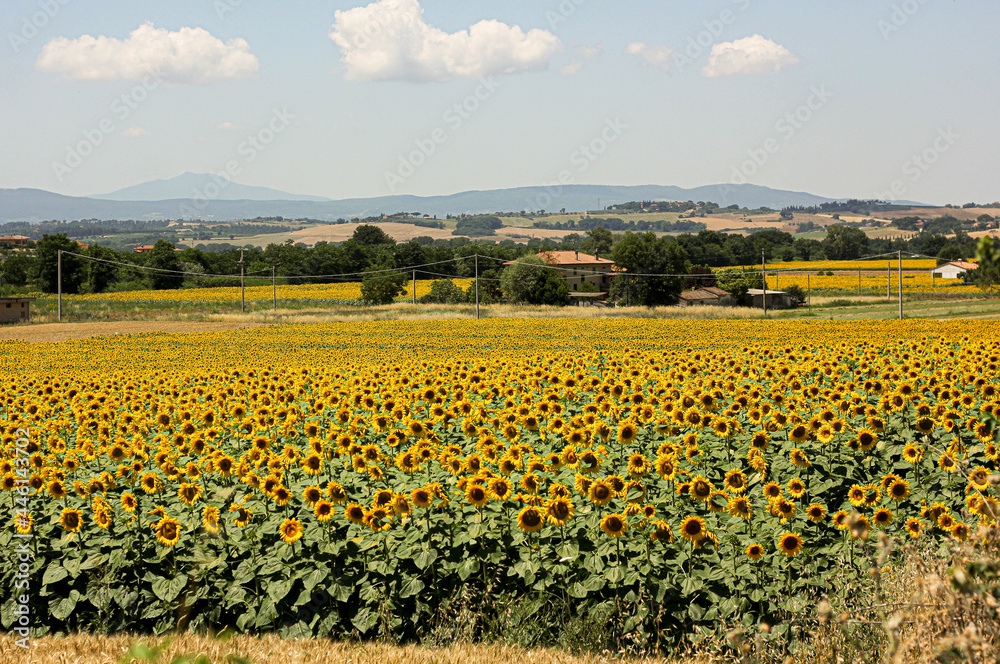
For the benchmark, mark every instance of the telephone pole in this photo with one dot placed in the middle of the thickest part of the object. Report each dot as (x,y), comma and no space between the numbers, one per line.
(59,279)
(900,284)
(243,299)
(763,272)
(477,286)
(274,288)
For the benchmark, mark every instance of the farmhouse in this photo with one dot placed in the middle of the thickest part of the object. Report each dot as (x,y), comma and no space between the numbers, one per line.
(776,299)
(144,249)
(15,309)
(709,295)
(952,270)
(578,268)
(16,240)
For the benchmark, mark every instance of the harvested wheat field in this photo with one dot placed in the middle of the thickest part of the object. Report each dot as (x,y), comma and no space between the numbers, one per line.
(51,332)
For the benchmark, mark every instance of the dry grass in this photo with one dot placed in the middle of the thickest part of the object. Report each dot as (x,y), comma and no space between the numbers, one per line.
(86,649)
(48,332)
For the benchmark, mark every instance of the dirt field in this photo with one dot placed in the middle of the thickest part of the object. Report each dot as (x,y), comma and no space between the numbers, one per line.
(64,331)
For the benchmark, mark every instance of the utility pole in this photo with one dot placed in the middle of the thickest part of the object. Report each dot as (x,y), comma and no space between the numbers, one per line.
(274,289)
(763,272)
(477,286)
(59,279)
(900,284)
(243,299)
(414,287)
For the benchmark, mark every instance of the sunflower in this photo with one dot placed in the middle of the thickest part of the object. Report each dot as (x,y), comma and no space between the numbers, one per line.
(772,490)
(151,483)
(755,552)
(312,464)
(914,527)
(841,520)
(600,493)
(189,493)
(799,458)
(530,519)
(354,513)
(560,510)
(666,467)
(796,488)
(946,521)
(614,525)
(913,453)
(979,478)
(701,488)
(693,529)
(56,489)
(323,509)
(799,434)
(736,481)
(859,526)
(960,531)
(290,530)
(168,531)
(899,490)
(129,502)
(638,465)
(71,520)
(210,519)
(856,495)
(783,508)
(500,488)
(790,544)
(739,506)
(23,523)
(476,495)
(243,515)
(661,532)
(816,512)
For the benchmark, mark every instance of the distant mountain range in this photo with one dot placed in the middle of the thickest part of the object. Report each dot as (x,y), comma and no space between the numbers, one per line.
(189,185)
(202,196)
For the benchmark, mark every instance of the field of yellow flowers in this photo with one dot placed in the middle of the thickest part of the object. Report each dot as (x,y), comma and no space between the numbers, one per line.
(346,292)
(380,479)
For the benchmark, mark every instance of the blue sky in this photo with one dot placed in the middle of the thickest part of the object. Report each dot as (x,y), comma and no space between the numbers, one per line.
(847,98)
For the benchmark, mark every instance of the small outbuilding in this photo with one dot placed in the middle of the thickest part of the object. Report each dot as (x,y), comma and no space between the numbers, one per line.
(15,309)
(709,295)
(952,270)
(584,299)
(776,299)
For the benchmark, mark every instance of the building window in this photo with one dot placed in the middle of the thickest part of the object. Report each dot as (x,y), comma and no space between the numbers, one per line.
(8,305)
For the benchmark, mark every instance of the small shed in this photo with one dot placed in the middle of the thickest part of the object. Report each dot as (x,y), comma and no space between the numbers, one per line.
(709,295)
(776,299)
(581,299)
(15,309)
(952,270)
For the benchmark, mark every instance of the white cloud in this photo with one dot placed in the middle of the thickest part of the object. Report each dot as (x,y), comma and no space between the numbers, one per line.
(189,56)
(588,52)
(389,40)
(571,69)
(652,56)
(750,55)
(228,126)
(135,130)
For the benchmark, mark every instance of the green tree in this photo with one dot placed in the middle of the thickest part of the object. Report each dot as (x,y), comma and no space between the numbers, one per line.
(599,241)
(379,287)
(444,291)
(370,236)
(531,281)
(844,243)
(737,282)
(15,270)
(47,258)
(163,257)
(988,254)
(659,261)
(101,275)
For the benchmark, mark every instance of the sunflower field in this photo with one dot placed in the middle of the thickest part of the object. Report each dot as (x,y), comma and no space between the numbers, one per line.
(396,478)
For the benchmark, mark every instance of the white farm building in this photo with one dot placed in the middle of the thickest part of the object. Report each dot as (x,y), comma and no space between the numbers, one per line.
(952,270)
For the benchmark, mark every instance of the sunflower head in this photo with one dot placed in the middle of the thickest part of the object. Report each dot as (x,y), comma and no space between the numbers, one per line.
(790,544)
(614,525)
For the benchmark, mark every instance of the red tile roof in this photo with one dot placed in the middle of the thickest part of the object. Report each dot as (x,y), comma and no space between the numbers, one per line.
(572,258)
